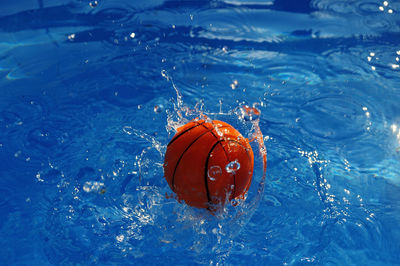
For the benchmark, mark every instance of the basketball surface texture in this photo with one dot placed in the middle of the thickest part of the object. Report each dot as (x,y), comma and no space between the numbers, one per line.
(207,163)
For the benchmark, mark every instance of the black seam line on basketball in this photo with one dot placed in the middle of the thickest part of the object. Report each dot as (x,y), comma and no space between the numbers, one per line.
(228,161)
(180,158)
(186,130)
(206,170)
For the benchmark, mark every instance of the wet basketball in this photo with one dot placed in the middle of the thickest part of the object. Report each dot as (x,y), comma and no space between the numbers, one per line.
(208,163)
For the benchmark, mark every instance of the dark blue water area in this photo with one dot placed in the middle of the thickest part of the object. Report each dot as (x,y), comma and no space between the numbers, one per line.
(91,92)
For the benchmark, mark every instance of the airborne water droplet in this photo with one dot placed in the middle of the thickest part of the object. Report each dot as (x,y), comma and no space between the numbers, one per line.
(232,167)
(158,108)
(234,84)
(93,4)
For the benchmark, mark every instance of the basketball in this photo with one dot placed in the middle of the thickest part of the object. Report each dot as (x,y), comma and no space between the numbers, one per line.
(207,163)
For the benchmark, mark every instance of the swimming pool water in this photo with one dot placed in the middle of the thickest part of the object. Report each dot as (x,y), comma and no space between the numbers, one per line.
(91,92)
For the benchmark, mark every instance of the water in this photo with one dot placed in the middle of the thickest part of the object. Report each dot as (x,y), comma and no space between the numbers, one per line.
(91,92)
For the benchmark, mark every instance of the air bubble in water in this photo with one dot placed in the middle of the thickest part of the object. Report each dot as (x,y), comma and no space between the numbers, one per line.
(214,172)
(232,167)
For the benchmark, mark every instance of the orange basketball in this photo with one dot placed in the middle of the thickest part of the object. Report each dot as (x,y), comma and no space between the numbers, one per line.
(207,163)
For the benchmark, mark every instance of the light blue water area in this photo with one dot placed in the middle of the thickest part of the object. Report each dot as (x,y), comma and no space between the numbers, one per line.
(91,92)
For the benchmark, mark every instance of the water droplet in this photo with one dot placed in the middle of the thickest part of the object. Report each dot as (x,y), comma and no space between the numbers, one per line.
(158,108)
(214,172)
(93,4)
(120,238)
(232,167)
(39,178)
(234,84)
(164,73)
(71,36)
(235,202)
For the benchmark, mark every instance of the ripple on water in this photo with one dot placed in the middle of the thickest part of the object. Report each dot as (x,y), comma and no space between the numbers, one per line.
(47,137)
(346,7)
(126,95)
(49,176)
(114,15)
(300,74)
(368,8)
(364,154)
(369,13)
(333,117)
(297,68)
(340,7)
(23,112)
(5,195)
(41,137)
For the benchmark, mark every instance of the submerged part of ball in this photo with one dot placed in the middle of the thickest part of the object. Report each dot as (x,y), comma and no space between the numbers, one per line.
(207,163)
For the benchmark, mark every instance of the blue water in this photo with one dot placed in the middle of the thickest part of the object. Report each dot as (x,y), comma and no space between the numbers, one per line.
(91,93)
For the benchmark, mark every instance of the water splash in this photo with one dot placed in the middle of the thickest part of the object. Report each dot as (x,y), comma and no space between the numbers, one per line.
(179,100)
(214,172)
(248,113)
(94,186)
(232,167)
